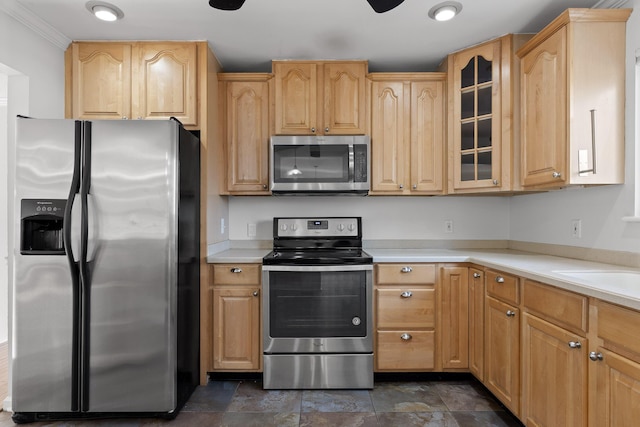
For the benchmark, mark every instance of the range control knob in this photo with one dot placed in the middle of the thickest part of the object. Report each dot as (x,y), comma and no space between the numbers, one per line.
(294,227)
(340,227)
(283,227)
(352,227)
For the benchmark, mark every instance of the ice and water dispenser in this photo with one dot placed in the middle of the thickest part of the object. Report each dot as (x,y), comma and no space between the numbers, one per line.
(41,226)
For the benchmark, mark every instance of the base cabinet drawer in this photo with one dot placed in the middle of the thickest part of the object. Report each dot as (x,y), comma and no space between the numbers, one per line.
(406,308)
(405,350)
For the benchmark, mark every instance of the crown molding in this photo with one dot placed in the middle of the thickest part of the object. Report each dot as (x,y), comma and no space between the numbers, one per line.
(36,24)
(610,4)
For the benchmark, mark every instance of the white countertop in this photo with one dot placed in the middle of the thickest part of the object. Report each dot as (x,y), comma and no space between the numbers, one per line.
(623,288)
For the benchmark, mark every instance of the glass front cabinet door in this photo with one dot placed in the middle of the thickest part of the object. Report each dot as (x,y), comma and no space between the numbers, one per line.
(482,126)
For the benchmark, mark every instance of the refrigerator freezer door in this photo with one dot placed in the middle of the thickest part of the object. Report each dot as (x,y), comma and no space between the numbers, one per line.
(41,331)
(133,202)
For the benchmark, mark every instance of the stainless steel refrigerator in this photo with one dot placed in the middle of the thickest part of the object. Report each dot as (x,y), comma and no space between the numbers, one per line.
(105,283)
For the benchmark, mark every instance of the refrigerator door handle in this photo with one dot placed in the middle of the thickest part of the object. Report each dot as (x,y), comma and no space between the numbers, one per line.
(73,266)
(85,274)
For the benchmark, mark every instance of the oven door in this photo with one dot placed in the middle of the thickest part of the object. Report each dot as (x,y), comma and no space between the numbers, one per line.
(317,309)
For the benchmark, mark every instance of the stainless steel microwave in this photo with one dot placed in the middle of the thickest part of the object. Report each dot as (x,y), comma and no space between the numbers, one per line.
(320,165)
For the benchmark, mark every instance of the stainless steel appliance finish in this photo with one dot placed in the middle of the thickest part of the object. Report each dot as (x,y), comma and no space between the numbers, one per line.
(317,306)
(103,324)
(320,165)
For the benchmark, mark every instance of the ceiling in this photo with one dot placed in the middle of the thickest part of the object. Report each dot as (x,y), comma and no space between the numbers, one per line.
(403,39)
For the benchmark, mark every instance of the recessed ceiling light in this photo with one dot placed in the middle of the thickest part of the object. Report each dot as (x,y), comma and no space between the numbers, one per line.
(104,11)
(445,11)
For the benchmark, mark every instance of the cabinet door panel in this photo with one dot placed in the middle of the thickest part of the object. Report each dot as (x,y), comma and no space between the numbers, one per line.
(618,399)
(344,98)
(502,352)
(454,317)
(554,375)
(296,98)
(476,322)
(236,340)
(247,139)
(388,128)
(427,135)
(167,82)
(544,111)
(101,80)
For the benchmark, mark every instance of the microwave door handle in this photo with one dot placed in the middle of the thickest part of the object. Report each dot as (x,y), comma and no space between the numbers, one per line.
(352,163)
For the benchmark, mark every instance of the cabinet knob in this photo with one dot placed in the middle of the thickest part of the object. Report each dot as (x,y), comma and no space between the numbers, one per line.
(401,186)
(406,294)
(256,293)
(575,344)
(405,337)
(326,129)
(406,270)
(499,279)
(511,313)
(557,175)
(264,186)
(139,117)
(495,182)
(236,270)
(595,356)
(125,118)
(476,275)
(313,130)
(415,186)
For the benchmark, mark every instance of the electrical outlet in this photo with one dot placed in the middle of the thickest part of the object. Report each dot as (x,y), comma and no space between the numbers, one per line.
(448,226)
(576,229)
(222,227)
(251,230)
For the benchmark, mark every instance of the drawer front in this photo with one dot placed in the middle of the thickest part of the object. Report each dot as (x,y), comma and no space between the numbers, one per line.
(236,274)
(400,274)
(618,327)
(416,352)
(503,286)
(558,306)
(413,308)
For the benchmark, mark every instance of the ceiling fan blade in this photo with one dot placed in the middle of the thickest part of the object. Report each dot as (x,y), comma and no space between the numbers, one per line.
(382,6)
(226,4)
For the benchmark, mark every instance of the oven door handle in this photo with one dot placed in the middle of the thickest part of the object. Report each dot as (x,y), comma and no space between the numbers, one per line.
(319,268)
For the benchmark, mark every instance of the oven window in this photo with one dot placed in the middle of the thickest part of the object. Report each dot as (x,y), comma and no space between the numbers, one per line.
(311,163)
(317,304)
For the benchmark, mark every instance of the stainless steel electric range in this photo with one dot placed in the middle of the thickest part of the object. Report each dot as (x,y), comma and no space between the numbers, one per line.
(317,306)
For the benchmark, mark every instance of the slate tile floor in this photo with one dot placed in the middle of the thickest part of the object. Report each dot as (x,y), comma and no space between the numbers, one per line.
(463,403)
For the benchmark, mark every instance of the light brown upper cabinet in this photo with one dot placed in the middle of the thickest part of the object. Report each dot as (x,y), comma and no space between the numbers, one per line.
(138,80)
(407,116)
(246,120)
(573,93)
(482,127)
(320,97)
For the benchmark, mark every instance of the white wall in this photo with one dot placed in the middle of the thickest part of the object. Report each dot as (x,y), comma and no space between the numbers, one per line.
(546,218)
(384,218)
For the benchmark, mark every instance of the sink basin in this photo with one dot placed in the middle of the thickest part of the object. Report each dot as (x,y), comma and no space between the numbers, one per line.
(607,279)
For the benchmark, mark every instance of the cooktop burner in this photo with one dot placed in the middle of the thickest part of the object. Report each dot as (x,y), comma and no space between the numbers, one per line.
(317,241)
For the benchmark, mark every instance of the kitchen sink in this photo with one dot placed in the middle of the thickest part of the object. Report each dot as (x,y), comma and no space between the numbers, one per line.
(610,279)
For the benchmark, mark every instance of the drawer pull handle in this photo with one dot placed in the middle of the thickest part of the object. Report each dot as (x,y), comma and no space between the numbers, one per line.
(406,270)
(499,279)
(236,270)
(476,275)
(406,294)
(595,356)
(405,337)
(575,344)
(511,313)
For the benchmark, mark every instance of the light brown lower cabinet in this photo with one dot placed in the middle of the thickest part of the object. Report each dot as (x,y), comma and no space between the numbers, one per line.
(617,396)
(502,352)
(235,298)
(554,364)
(453,317)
